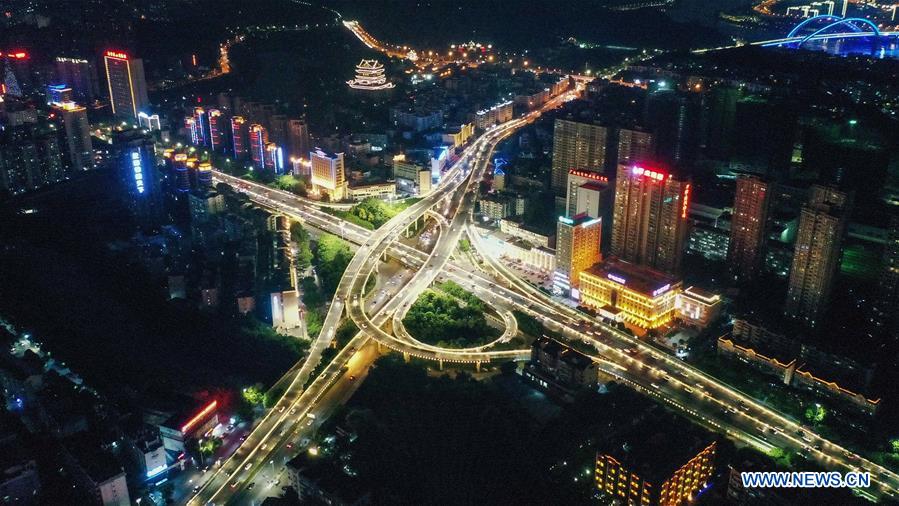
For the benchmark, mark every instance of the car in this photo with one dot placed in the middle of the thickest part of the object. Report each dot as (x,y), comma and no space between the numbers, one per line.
(251,485)
(352,378)
(281,409)
(310,422)
(196,489)
(234,484)
(248,466)
(264,447)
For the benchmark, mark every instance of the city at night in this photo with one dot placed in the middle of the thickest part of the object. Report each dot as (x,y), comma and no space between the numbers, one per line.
(449,252)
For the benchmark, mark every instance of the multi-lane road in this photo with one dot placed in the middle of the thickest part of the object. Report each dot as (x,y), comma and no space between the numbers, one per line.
(633,362)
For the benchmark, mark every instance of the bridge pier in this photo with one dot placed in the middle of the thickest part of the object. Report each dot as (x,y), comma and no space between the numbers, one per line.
(381,348)
(406,357)
(477,366)
(441,364)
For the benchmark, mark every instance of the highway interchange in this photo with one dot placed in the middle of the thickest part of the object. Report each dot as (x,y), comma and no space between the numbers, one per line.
(631,361)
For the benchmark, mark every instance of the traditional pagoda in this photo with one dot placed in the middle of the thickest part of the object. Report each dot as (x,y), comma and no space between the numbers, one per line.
(370,76)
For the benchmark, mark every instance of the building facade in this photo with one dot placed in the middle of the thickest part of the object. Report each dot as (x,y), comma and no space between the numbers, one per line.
(577,249)
(645,297)
(748,230)
(126,82)
(650,217)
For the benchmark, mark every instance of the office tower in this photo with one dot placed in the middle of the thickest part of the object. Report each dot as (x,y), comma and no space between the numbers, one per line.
(239,137)
(298,142)
(58,93)
(215,122)
(634,145)
(650,217)
(720,109)
(81,76)
(577,248)
(576,146)
(258,140)
(328,175)
(135,159)
(50,162)
(885,313)
(127,86)
(75,131)
(746,250)
(817,254)
(674,120)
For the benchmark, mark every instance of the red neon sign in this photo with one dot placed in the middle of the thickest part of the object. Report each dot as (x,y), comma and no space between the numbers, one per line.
(651,174)
(589,175)
(117,54)
(199,416)
(686,203)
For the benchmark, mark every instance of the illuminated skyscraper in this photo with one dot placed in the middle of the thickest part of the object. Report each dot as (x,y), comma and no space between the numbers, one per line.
(576,146)
(274,158)
(58,93)
(746,250)
(81,75)
(817,254)
(135,157)
(650,217)
(239,137)
(298,139)
(216,139)
(577,249)
(201,126)
(127,86)
(75,132)
(328,175)
(258,140)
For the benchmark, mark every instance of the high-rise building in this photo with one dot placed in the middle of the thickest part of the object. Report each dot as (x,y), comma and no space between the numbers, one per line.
(817,254)
(201,127)
(215,121)
(126,82)
(634,145)
(588,193)
(650,217)
(577,248)
(239,137)
(328,174)
(75,132)
(674,119)
(577,146)
(30,156)
(274,158)
(81,75)
(885,313)
(58,93)
(298,139)
(258,141)
(746,250)
(135,157)
(149,121)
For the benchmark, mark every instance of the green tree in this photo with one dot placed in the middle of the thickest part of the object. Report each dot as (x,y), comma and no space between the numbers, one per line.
(815,413)
(894,445)
(253,394)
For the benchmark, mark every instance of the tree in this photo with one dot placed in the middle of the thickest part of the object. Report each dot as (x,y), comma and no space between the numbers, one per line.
(894,445)
(300,236)
(253,395)
(815,413)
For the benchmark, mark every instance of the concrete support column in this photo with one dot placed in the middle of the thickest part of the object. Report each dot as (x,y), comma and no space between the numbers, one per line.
(441,364)
(406,356)
(477,366)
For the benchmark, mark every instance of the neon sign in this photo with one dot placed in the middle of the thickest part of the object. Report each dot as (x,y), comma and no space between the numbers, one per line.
(651,174)
(588,175)
(137,168)
(661,290)
(117,54)
(686,203)
(617,279)
(199,416)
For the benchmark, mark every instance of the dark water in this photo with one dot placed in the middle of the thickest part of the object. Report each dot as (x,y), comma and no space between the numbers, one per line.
(874,47)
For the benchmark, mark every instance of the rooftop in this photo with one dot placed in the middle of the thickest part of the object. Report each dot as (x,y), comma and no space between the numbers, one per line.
(635,277)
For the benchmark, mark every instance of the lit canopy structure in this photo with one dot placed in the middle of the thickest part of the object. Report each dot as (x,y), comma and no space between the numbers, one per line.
(370,76)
